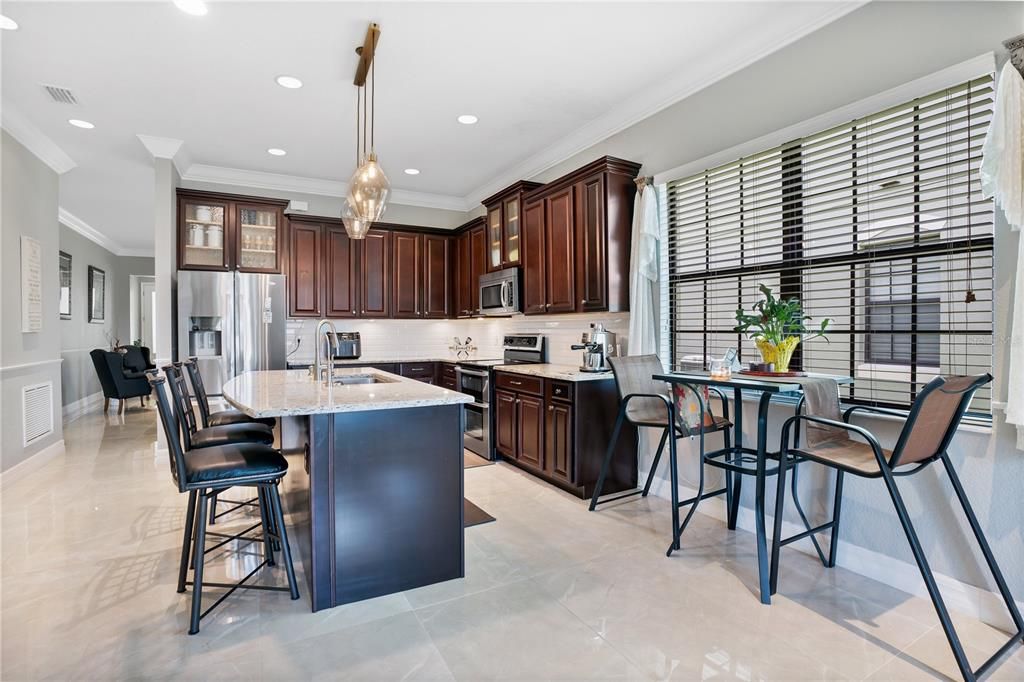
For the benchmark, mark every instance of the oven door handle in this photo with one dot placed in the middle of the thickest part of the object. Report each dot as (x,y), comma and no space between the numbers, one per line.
(471,373)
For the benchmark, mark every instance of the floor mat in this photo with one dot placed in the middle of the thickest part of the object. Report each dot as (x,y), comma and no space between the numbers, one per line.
(471,460)
(474,515)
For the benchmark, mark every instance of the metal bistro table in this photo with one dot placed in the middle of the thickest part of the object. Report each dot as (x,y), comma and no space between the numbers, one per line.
(766,387)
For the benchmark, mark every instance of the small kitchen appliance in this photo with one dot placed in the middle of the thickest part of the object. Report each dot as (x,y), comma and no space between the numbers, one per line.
(597,345)
(499,292)
(342,345)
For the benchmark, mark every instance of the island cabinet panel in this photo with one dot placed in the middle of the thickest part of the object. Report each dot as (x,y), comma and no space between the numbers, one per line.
(530,448)
(407,263)
(436,276)
(560,430)
(534,255)
(560,254)
(304,255)
(375,282)
(341,268)
(591,245)
(506,423)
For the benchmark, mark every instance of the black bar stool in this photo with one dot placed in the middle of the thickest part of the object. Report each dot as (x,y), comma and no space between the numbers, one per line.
(930,426)
(206,471)
(219,418)
(647,402)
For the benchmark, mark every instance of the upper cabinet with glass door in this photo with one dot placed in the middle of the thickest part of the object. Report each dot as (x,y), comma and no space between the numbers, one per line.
(504,225)
(226,232)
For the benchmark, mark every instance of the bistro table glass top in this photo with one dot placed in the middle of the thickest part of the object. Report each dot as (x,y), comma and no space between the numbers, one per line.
(756,383)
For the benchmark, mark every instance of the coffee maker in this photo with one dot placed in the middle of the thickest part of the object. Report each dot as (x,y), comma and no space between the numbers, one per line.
(597,345)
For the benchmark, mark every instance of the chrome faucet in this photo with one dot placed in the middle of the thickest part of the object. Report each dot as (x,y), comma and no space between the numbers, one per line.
(318,369)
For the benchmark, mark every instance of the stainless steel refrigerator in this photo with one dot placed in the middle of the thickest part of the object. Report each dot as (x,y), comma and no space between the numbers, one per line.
(232,322)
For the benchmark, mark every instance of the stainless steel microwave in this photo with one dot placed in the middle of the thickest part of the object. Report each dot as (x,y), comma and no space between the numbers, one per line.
(499,292)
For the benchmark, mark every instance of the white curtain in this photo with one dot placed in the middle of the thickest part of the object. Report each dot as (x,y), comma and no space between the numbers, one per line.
(643,274)
(1002,177)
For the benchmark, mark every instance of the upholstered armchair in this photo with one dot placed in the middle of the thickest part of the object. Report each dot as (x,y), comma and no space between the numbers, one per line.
(118,381)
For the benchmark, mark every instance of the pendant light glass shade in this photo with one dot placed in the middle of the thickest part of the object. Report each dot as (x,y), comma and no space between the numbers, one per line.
(355,226)
(368,190)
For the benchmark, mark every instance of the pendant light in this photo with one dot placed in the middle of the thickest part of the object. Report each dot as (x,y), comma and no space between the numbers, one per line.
(369,188)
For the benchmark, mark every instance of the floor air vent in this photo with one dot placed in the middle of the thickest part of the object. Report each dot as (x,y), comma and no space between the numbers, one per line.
(61,95)
(37,406)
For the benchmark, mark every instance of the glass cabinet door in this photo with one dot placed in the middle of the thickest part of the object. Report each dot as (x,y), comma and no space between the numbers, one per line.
(258,238)
(512,232)
(494,238)
(204,237)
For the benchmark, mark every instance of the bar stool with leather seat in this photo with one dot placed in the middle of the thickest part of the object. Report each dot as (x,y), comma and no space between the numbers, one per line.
(206,471)
(647,402)
(929,427)
(220,417)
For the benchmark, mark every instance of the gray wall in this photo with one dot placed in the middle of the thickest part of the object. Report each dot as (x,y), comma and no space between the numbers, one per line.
(873,49)
(320,205)
(28,194)
(78,336)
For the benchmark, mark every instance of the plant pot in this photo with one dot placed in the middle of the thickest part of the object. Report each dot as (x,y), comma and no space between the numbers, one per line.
(778,354)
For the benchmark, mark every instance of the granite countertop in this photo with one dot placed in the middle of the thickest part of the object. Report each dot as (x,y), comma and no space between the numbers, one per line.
(280,393)
(552,371)
(374,361)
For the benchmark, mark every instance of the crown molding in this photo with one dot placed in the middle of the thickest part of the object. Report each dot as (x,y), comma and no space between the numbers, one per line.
(220,175)
(73,222)
(25,132)
(166,148)
(646,104)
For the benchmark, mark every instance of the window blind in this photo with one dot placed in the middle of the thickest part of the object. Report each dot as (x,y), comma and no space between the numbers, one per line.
(877,224)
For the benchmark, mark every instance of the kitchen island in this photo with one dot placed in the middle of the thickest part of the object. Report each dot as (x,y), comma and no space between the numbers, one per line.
(385,463)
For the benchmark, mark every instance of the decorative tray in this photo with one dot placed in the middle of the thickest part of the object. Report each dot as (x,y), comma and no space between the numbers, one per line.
(750,373)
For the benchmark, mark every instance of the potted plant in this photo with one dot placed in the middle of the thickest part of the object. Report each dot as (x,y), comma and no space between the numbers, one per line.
(777,327)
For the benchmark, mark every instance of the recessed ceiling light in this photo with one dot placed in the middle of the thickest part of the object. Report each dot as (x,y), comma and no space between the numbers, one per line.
(468,119)
(79,123)
(274,151)
(196,8)
(412,171)
(290,82)
(8,24)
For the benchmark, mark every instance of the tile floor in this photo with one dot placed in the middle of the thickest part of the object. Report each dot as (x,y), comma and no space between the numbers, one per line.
(90,551)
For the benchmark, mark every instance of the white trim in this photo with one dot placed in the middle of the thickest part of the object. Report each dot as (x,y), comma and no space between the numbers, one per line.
(220,175)
(81,407)
(73,222)
(643,105)
(30,365)
(35,140)
(959,596)
(166,148)
(953,75)
(31,464)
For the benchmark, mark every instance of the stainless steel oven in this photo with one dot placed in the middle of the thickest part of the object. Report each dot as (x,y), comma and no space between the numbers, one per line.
(499,292)
(477,433)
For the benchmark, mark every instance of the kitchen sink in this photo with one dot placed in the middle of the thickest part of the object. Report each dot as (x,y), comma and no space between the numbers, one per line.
(349,379)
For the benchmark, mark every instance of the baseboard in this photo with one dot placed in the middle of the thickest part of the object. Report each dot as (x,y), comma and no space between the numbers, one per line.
(32,464)
(959,596)
(73,411)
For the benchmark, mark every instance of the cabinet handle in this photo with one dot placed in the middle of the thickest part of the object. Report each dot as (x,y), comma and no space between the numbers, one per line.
(515,383)
(550,408)
(583,301)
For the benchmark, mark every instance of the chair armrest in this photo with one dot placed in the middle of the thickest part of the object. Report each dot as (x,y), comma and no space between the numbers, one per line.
(862,432)
(876,410)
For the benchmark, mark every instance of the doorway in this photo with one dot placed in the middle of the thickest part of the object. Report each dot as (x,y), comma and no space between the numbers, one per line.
(143,309)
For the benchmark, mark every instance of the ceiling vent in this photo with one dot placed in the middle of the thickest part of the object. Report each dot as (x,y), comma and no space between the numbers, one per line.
(61,95)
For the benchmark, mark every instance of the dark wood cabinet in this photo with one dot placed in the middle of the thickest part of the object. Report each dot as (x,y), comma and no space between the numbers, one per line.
(421,371)
(406,285)
(559,443)
(506,423)
(304,255)
(228,232)
(535,285)
(469,256)
(375,269)
(478,266)
(591,243)
(505,225)
(530,436)
(560,430)
(341,273)
(560,256)
(463,266)
(436,276)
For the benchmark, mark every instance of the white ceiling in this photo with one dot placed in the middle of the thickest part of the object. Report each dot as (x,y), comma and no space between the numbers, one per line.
(546,80)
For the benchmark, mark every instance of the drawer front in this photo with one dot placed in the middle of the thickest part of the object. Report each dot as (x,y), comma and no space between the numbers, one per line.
(450,383)
(519,383)
(560,390)
(385,367)
(417,370)
(447,371)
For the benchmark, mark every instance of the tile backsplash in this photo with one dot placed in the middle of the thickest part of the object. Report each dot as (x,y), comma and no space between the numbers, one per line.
(413,339)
